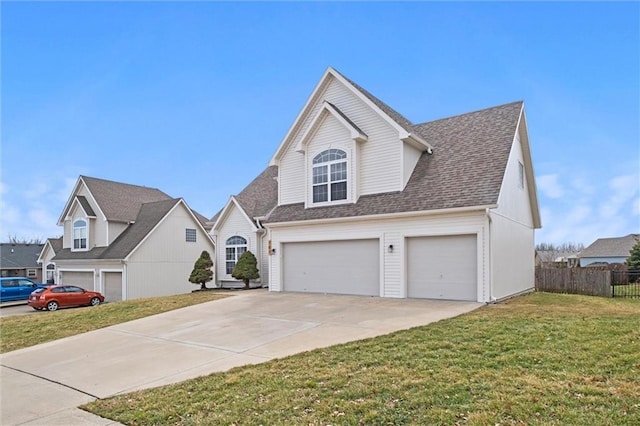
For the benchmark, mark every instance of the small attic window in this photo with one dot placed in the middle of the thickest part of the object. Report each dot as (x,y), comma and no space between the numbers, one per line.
(520,175)
(190,235)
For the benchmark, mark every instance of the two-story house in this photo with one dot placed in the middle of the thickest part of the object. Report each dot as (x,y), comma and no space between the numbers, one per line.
(126,241)
(362,201)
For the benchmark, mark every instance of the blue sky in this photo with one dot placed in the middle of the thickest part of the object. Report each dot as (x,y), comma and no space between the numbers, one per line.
(194,98)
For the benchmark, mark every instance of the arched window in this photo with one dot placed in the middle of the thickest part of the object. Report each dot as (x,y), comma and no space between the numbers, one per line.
(51,270)
(235,246)
(80,235)
(330,176)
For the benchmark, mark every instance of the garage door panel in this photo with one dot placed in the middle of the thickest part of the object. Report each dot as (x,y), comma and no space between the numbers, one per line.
(80,279)
(340,267)
(442,267)
(113,286)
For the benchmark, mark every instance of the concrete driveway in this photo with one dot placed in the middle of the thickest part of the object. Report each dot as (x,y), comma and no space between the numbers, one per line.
(44,384)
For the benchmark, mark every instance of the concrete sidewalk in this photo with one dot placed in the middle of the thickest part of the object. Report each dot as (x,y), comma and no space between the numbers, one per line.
(248,328)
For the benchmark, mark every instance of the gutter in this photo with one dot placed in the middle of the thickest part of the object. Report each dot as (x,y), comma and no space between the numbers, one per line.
(417,213)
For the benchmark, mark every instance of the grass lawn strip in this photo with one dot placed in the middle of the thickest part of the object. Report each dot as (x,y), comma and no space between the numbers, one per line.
(539,359)
(28,330)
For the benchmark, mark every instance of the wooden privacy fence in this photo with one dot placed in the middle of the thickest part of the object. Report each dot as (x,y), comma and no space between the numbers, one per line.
(588,281)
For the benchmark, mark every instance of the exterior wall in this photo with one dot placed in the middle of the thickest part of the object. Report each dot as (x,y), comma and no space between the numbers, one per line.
(512,257)
(161,265)
(331,134)
(99,225)
(584,261)
(512,232)
(97,228)
(115,229)
(264,260)
(410,157)
(392,231)
(380,157)
(513,201)
(46,257)
(235,223)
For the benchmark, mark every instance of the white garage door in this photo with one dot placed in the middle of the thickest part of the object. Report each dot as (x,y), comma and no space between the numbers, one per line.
(339,267)
(80,279)
(112,286)
(443,267)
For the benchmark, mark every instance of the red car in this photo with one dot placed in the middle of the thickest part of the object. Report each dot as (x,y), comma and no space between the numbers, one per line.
(61,296)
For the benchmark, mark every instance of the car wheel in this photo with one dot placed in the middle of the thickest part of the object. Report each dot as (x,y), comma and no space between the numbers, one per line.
(52,306)
(95,301)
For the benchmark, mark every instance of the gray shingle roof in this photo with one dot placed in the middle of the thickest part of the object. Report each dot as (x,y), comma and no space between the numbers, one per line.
(260,196)
(466,169)
(56,244)
(148,217)
(121,202)
(611,247)
(85,205)
(19,256)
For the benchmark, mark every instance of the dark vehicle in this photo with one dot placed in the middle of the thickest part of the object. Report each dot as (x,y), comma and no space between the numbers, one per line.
(61,296)
(16,288)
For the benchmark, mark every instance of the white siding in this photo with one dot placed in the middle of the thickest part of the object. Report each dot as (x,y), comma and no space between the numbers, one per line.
(380,158)
(332,134)
(235,223)
(115,229)
(264,260)
(411,155)
(512,233)
(98,225)
(513,257)
(162,264)
(513,201)
(392,232)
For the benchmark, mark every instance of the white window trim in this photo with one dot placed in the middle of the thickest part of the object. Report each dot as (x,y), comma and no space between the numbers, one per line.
(351,176)
(235,251)
(73,235)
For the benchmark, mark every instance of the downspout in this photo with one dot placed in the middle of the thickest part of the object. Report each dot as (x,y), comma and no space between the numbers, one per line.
(492,299)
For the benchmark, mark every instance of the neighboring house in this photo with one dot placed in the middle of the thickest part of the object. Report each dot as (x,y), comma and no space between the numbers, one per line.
(237,228)
(608,250)
(556,259)
(370,204)
(20,260)
(126,241)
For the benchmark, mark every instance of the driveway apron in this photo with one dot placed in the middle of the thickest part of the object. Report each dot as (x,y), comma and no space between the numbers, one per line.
(43,384)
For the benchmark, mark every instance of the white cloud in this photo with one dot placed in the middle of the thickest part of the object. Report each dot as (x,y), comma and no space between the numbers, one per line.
(549,186)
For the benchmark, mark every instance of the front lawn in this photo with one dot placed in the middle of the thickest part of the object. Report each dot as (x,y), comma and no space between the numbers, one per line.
(28,330)
(539,359)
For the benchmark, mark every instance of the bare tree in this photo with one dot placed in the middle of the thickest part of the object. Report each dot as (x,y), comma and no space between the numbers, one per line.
(14,239)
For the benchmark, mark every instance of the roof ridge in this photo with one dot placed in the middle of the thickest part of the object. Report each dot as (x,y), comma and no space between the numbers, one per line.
(118,183)
(470,112)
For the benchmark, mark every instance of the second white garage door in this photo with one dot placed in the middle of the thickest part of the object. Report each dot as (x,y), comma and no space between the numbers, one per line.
(442,267)
(112,286)
(339,267)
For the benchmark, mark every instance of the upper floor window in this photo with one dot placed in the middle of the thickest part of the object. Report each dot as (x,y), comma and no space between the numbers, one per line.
(190,235)
(330,176)
(235,247)
(80,235)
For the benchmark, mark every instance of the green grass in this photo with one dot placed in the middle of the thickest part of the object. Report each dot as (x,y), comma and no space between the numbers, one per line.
(22,331)
(539,359)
